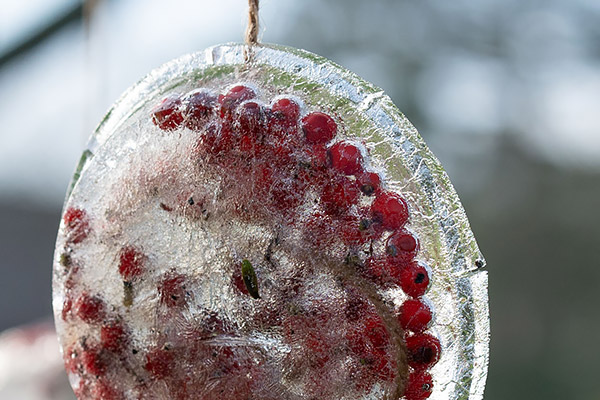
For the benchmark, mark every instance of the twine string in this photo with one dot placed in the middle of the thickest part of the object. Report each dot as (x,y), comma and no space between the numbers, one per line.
(252,29)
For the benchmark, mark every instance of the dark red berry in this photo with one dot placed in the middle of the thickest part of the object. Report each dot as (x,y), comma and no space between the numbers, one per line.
(419,386)
(346,157)
(318,128)
(281,152)
(369,342)
(216,139)
(172,289)
(167,115)
(198,107)
(414,315)
(251,119)
(159,362)
(93,361)
(390,210)
(354,230)
(264,177)
(131,263)
(285,113)
(413,279)
(89,308)
(249,144)
(320,230)
(370,183)
(338,195)
(355,305)
(423,351)
(287,195)
(233,98)
(77,225)
(402,246)
(318,347)
(113,336)
(375,331)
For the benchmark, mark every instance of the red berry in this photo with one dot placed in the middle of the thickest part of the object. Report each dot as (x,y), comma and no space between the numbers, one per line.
(383,367)
(354,230)
(346,157)
(370,183)
(414,315)
(377,269)
(413,279)
(285,113)
(113,336)
(281,153)
(89,308)
(77,225)
(104,391)
(238,282)
(390,210)
(67,306)
(216,139)
(319,128)
(172,289)
(264,178)
(423,351)
(355,305)
(375,331)
(251,118)
(131,263)
(167,115)
(419,386)
(351,233)
(318,348)
(248,144)
(233,98)
(369,341)
(338,195)
(93,361)
(318,158)
(402,246)
(271,184)
(71,359)
(159,362)
(286,196)
(320,230)
(199,106)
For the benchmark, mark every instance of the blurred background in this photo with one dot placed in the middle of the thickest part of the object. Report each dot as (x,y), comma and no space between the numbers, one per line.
(505,92)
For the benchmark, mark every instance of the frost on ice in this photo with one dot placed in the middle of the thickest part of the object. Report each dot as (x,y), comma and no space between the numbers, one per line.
(265,230)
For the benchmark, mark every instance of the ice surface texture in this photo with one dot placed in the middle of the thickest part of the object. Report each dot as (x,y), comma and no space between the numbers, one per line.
(161,244)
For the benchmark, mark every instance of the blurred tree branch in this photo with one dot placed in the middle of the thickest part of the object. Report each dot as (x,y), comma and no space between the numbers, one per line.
(70,15)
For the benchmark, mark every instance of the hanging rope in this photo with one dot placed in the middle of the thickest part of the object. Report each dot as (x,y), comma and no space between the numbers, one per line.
(252,30)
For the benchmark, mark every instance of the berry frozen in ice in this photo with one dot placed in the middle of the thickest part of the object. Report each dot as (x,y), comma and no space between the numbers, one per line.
(167,115)
(390,210)
(319,128)
(346,157)
(415,315)
(240,234)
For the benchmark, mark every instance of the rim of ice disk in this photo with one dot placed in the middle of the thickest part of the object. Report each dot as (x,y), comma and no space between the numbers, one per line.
(459,286)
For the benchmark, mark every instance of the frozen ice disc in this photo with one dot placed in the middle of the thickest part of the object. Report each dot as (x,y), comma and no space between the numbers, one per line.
(263,224)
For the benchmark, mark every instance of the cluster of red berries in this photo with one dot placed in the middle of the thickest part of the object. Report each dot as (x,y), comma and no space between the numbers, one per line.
(281,156)
(288,155)
(99,357)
